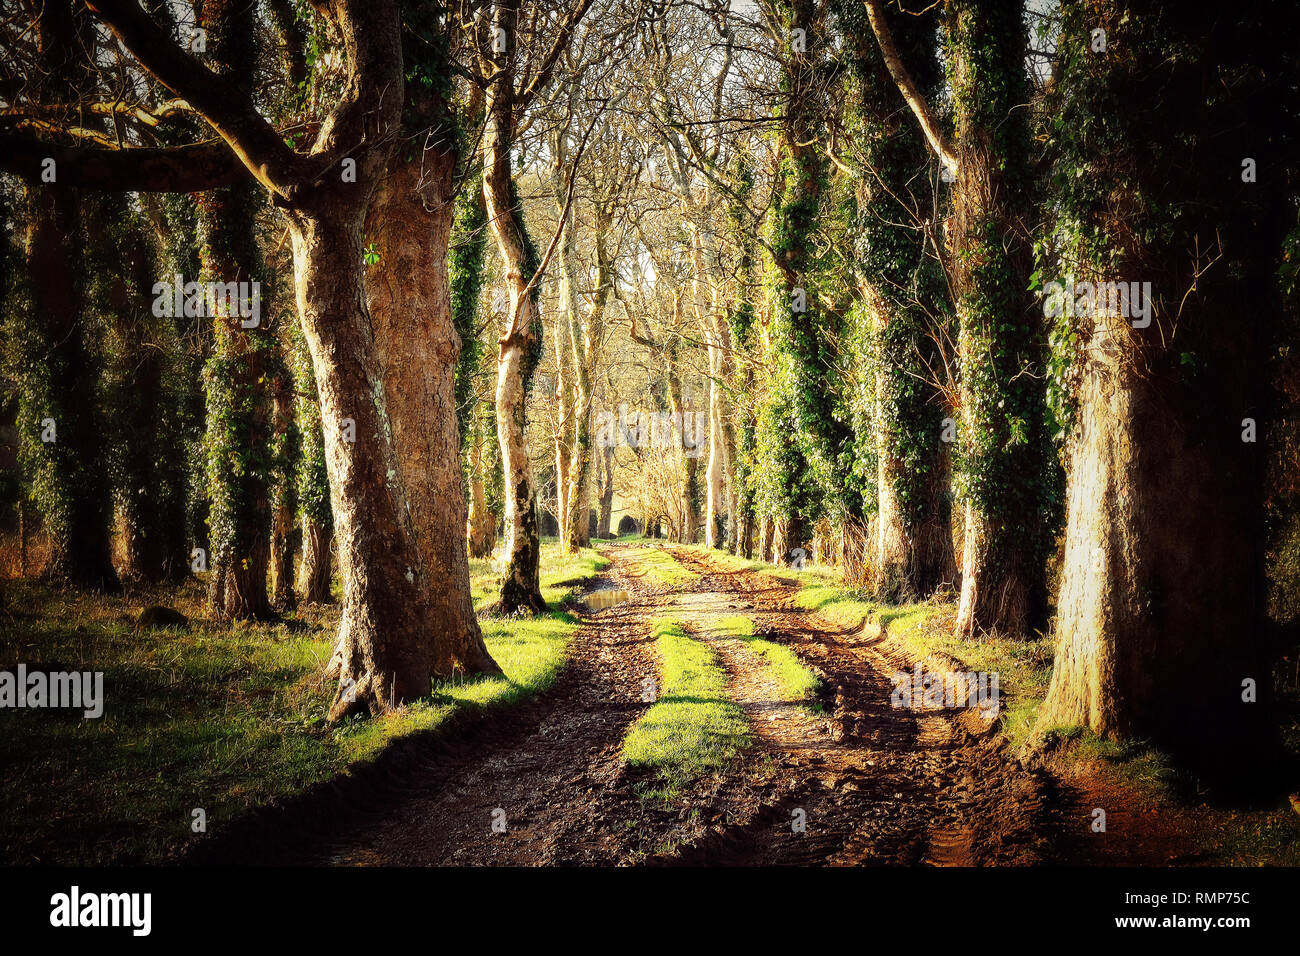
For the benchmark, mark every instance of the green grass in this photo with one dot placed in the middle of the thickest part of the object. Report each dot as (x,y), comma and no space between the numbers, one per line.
(561,574)
(796,681)
(660,567)
(221,718)
(694,727)
(838,605)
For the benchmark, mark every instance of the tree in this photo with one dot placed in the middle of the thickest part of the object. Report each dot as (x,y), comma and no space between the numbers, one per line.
(1160,608)
(238,436)
(61,423)
(417,345)
(385,636)
(1004,466)
(906,298)
(311,481)
(511,83)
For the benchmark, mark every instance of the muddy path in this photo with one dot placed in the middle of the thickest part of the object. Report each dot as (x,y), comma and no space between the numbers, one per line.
(850,780)
(539,784)
(867,783)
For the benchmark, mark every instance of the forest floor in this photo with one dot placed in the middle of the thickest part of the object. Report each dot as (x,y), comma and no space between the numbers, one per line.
(712,717)
(675,706)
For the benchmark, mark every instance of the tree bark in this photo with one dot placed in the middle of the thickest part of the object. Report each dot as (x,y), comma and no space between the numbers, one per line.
(317,563)
(1001,340)
(386,631)
(584,334)
(284,497)
(482,523)
(605,516)
(408,298)
(519,348)
(1160,612)
(766,533)
(76,504)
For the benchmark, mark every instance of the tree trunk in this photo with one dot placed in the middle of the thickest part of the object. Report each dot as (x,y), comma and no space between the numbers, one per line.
(417,348)
(565,425)
(1160,607)
(690,484)
(605,517)
(482,523)
(907,298)
(284,492)
(282,532)
(521,588)
(706,314)
(312,492)
(855,551)
(520,348)
(68,471)
(385,646)
(317,563)
(788,534)
(238,435)
(584,335)
(122,264)
(1001,341)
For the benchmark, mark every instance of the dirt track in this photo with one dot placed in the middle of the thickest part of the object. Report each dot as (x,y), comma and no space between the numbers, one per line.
(872,784)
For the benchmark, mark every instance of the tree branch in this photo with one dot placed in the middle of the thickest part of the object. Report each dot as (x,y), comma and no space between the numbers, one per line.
(180,169)
(226,109)
(929,126)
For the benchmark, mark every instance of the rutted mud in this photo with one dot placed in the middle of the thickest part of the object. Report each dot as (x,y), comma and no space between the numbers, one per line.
(882,785)
(851,780)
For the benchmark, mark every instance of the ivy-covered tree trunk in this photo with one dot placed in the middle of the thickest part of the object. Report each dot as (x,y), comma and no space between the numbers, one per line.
(803,437)
(1160,607)
(689,489)
(907,300)
(181,418)
(1005,454)
(238,434)
(146,458)
(62,432)
(740,319)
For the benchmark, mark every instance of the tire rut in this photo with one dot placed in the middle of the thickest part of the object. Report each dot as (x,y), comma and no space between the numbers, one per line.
(884,785)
